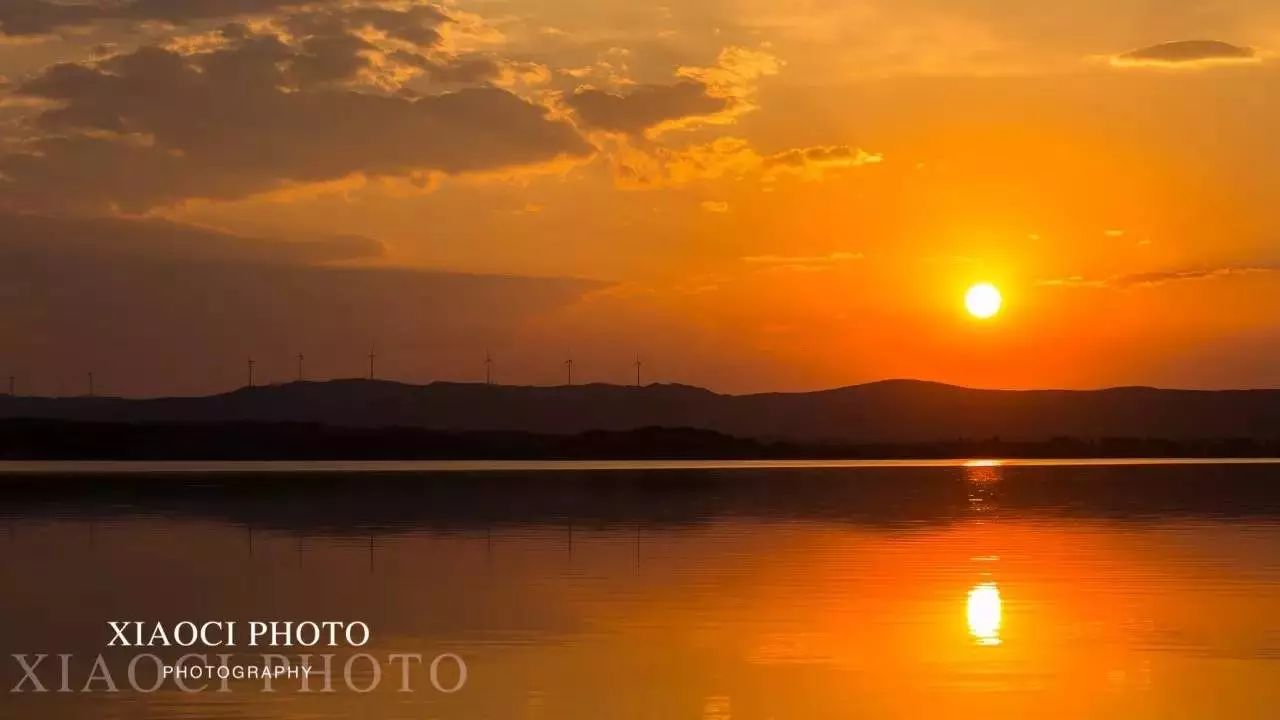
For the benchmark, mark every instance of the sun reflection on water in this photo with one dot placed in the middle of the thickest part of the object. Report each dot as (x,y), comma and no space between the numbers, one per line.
(985,611)
(983,463)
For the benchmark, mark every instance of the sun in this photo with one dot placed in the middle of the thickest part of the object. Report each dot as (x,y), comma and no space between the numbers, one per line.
(982,300)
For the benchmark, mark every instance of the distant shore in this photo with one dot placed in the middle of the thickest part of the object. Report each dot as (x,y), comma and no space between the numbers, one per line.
(368,419)
(45,440)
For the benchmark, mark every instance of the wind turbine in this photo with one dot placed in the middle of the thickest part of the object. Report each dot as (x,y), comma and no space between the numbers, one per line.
(638,364)
(251,363)
(568,364)
(300,359)
(372,356)
(488,368)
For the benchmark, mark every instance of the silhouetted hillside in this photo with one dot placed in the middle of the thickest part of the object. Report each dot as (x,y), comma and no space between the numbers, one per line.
(78,440)
(885,412)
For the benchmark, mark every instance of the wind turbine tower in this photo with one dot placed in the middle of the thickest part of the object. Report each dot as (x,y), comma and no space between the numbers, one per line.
(568,365)
(251,363)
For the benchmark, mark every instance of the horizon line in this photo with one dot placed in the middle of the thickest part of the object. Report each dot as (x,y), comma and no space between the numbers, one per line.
(613,385)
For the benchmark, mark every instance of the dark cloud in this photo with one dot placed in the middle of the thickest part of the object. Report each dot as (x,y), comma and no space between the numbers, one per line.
(416,24)
(27,236)
(467,70)
(156,307)
(645,107)
(325,59)
(155,127)
(461,70)
(41,17)
(1188,52)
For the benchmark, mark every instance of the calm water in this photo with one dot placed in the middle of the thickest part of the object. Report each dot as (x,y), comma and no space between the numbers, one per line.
(945,591)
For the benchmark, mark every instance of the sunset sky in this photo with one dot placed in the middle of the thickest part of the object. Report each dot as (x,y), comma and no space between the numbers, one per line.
(748,194)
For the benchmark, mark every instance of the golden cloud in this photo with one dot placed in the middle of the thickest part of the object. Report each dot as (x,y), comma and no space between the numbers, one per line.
(1162,277)
(729,158)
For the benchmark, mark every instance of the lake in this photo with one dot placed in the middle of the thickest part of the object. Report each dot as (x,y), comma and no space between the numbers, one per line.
(705,591)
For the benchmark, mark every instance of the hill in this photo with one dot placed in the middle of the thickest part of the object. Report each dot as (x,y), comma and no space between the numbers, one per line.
(897,411)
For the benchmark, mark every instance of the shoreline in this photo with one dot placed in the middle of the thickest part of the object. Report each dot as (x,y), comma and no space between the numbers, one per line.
(130,467)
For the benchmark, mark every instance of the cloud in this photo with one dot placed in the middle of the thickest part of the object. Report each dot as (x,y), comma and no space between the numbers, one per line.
(156,127)
(658,166)
(1187,53)
(646,107)
(415,24)
(1161,278)
(156,307)
(803,263)
(467,70)
(835,257)
(27,235)
(714,95)
(1150,279)
(42,17)
(813,162)
(715,206)
(39,17)
(736,72)
(730,158)
(1074,281)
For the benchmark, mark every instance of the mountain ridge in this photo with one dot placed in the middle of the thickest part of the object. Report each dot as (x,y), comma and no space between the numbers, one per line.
(895,410)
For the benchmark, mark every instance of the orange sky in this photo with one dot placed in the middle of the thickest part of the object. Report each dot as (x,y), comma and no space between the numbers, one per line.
(750,195)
